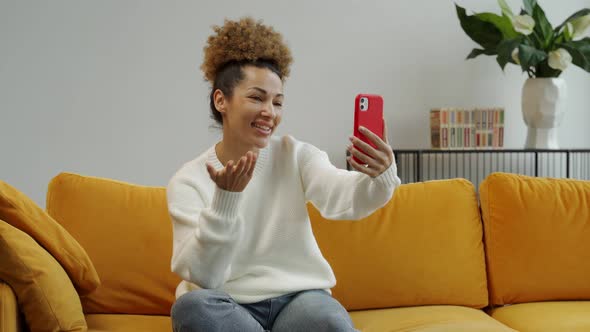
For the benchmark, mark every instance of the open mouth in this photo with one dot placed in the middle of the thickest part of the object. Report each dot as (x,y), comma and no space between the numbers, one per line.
(265,130)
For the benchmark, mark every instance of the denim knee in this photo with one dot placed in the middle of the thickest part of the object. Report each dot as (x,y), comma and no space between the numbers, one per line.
(337,323)
(193,308)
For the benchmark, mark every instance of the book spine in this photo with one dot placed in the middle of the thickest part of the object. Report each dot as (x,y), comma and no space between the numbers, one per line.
(435,129)
(445,128)
(452,126)
(501,131)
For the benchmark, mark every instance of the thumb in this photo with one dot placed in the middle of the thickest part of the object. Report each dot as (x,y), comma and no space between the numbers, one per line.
(212,172)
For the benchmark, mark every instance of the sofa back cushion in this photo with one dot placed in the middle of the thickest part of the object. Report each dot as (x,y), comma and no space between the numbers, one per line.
(423,248)
(127,232)
(537,234)
(21,212)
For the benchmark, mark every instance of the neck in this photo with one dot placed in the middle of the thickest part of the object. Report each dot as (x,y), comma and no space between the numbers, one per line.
(229,149)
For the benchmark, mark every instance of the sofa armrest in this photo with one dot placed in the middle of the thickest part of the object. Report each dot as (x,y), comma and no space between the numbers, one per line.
(10,320)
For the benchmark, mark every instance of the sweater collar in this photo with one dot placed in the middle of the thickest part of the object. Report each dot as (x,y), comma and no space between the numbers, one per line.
(262,157)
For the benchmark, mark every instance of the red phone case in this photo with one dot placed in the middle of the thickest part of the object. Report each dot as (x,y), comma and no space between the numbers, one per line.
(371,118)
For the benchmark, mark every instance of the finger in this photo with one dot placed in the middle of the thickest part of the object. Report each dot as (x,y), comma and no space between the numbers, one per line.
(381,145)
(241,166)
(229,167)
(364,158)
(385,131)
(366,148)
(360,167)
(235,170)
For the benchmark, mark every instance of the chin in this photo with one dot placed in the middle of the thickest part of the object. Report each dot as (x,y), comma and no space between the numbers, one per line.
(261,143)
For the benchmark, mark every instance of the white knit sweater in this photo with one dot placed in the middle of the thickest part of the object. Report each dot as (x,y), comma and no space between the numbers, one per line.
(258,243)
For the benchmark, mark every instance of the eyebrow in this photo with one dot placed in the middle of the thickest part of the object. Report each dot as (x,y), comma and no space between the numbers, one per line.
(264,91)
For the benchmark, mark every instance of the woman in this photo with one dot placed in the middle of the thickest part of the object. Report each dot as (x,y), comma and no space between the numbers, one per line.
(243,242)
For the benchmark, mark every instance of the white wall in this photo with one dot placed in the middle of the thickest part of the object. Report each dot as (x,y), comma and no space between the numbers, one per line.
(112,88)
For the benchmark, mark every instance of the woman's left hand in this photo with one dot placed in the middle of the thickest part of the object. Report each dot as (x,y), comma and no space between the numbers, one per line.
(376,160)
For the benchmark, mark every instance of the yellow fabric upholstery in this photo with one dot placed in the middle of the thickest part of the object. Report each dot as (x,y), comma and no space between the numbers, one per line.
(128,323)
(45,293)
(127,233)
(21,212)
(9,315)
(537,234)
(424,247)
(570,316)
(426,319)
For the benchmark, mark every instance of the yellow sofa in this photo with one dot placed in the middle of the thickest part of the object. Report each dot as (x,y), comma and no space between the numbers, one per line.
(417,264)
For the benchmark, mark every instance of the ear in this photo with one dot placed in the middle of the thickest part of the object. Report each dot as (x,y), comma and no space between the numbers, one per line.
(220,101)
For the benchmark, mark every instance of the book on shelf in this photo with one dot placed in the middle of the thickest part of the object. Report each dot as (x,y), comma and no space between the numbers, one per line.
(459,128)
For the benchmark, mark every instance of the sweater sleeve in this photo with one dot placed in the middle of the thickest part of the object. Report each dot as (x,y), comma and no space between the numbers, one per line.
(205,236)
(342,194)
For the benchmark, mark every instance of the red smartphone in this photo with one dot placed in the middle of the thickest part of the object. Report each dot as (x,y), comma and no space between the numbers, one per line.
(368,112)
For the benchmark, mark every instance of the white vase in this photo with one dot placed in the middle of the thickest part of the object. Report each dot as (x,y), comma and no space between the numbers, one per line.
(543,107)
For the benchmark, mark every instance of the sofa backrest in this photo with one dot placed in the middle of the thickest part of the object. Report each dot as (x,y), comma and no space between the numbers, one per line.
(537,234)
(127,232)
(423,248)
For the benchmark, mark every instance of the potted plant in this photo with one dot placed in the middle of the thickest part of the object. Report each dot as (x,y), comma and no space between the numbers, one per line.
(543,52)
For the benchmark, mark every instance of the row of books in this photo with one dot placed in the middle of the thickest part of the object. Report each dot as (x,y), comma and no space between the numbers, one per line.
(459,128)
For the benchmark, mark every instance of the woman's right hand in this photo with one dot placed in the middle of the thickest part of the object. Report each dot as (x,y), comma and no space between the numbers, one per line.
(234,177)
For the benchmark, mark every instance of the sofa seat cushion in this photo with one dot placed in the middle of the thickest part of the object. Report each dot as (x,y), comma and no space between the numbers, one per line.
(426,318)
(571,316)
(424,247)
(126,323)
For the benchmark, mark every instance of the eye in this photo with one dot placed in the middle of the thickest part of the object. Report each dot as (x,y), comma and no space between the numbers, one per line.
(257,98)
(278,104)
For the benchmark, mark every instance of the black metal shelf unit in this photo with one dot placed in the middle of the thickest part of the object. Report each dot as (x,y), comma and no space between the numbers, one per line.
(430,164)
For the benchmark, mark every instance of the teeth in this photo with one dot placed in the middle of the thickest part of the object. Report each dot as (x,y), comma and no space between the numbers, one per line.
(261,127)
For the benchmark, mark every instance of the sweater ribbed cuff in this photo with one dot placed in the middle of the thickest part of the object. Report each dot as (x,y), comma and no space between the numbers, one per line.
(225,203)
(389,177)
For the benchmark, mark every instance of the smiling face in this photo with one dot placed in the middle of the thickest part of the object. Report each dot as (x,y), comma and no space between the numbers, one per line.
(253,111)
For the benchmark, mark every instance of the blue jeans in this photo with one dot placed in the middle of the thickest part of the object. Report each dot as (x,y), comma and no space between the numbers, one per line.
(212,310)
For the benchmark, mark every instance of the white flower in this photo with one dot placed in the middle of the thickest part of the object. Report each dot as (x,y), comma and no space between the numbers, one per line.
(559,59)
(515,55)
(570,28)
(580,25)
(523,24)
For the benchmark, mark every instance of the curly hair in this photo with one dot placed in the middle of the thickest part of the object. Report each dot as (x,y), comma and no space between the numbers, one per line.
(245,40)
(237,44)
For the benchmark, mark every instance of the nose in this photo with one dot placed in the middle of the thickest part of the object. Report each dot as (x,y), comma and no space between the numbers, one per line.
(269,110)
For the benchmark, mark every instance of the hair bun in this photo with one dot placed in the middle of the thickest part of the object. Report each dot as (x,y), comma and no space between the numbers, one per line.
(244,40)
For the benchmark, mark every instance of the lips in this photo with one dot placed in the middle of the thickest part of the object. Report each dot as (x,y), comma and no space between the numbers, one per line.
(262,127)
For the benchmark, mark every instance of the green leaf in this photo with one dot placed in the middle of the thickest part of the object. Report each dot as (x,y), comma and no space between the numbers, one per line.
(484,33)
(476,52)
(505,49)
(542,28)
(503,23)
(580,52)
(530,56)
(575,15)
(529,6)
(506,11)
